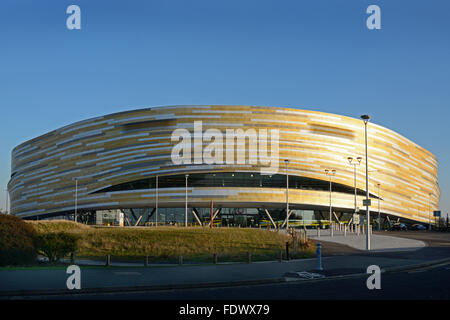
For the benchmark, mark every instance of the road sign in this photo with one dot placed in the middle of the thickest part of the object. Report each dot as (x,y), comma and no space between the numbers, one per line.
(437,213)
(367,202)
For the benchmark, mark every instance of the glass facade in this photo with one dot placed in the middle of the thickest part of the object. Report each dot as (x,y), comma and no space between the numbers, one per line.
(233,179)
(233,217)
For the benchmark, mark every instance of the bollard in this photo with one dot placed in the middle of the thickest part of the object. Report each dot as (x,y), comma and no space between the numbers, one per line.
(108,260)
(72,258)
(249,257)
(319,256)
(146,261)
(280,255)
(287,250)
(357,230)
(215,258)
(345,231)
(332,232)
(180,260)
(318,231)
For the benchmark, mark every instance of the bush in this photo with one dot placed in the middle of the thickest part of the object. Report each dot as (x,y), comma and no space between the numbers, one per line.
(17,241)
(56,245)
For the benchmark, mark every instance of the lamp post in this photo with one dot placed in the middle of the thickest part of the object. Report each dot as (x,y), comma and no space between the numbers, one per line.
(76,200)
(429,211)
(354,163)
(186,203)
(366,119)
(379,215)
(156,206)
(330,173)
(6,203)
(286,161)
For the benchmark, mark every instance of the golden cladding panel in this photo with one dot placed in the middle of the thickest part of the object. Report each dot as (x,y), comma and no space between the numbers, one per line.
(132,145)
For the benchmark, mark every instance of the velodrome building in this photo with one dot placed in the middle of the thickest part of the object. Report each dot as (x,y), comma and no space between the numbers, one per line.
(148,165)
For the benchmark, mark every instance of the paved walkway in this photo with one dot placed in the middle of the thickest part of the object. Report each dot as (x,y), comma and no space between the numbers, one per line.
(379,243)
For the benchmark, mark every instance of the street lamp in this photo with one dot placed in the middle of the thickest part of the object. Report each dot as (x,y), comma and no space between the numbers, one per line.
(429,211)
(379,216)
(156,207)
(354,163)
(6,203)
(366,119)
(186,203)
(330,173)
(286,161)
(76,199)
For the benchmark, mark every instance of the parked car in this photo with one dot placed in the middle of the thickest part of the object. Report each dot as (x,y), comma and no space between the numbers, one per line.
(399,226)
(418,226)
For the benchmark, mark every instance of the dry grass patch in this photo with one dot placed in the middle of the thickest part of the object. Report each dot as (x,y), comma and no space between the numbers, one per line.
(167,243)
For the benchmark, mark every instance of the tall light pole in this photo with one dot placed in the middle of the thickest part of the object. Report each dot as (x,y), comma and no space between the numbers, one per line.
(379,215)
(76,199)
(286,161)
(355,163)
(156,207)
(366,119)
(186,204)
(330,173)
(6,203)
(429,211)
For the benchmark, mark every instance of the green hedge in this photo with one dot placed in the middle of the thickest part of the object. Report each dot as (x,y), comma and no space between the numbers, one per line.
(17,241)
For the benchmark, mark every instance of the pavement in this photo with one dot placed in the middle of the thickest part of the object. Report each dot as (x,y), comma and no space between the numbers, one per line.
(134,277)
(379,242)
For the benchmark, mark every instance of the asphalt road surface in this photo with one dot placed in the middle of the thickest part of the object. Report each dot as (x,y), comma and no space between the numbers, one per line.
(427,283)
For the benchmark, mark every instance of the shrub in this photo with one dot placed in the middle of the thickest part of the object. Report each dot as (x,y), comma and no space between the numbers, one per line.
(56,245)
(17,241)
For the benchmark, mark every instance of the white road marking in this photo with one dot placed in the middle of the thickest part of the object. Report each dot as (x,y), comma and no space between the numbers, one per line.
(127,273)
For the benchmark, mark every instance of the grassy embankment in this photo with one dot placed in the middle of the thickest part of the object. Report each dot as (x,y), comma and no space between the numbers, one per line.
(165,244)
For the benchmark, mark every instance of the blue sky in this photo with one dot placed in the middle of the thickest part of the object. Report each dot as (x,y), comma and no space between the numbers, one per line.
(315,55)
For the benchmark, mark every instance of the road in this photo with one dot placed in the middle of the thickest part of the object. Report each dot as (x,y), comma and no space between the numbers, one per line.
(425,283)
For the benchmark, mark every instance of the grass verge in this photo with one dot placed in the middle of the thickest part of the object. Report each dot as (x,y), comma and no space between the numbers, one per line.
(166,244)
